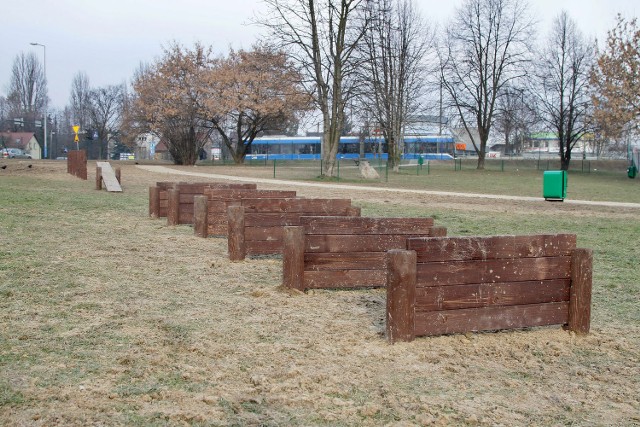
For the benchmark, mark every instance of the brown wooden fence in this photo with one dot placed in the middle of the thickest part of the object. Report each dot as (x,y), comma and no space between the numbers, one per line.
(456,285)
(256,226)
(77,163)
(210,210)
(159,197)
(339,252)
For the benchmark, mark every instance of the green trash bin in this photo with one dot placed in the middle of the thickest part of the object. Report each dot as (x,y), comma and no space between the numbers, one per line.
(554,185)
(632,171)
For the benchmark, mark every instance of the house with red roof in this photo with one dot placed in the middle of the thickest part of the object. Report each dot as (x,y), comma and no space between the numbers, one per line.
(25,141)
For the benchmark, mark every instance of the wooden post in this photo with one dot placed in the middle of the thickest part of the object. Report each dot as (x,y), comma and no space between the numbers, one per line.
(82,164)
(174,204)
(401,295)
(438,232)
(354,211)
(201,216)
(580,295)
(154,201)
(235,238)
(118,173)
(293,258)
(98,178)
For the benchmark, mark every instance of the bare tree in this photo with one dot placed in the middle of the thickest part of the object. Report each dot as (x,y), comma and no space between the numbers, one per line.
(563,82)
(28,86)
(105,113)
(515,116)
(79,100)
(4,114)
(321,36)
(392,71)
(487,46)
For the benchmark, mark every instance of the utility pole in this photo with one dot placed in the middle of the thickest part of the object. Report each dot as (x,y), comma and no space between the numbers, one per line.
(46,119)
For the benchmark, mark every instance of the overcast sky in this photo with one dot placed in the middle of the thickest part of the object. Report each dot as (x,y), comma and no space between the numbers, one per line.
(109,39)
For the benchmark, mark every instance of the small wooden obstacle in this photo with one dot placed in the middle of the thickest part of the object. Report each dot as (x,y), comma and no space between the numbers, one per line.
(464,284)
(77,163)
(159,198)
(111,178)
(210,210)
(337,252)
(256,226)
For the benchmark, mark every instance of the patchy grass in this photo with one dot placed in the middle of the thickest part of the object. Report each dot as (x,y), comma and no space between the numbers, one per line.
(603,180)
(108,317)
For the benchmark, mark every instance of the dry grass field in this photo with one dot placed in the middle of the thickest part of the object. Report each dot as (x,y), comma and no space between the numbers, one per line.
(109,318)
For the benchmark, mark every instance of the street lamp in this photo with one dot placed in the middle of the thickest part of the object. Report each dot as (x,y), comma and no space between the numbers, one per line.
(44,48)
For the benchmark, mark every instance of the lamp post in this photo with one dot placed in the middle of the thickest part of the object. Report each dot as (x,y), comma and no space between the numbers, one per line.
(44,49)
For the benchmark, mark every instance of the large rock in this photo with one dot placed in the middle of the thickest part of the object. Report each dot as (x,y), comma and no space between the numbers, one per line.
(367,171)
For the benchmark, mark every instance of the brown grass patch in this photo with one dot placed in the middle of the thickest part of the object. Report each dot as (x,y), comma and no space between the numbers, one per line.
(109,317)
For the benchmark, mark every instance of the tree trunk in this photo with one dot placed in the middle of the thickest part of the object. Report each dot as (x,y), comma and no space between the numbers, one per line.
(481,156)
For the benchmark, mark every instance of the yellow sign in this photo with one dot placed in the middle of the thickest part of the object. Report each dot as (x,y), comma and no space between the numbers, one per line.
(76,138)
(76,129)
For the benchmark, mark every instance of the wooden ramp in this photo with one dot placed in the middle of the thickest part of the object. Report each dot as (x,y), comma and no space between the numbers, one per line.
(109,177)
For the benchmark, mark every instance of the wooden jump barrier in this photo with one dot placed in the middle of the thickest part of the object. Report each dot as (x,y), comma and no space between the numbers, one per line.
(159,196)
(210,210)
(110,177)
(338,252)
(77,163)
(465,284)
(256,226)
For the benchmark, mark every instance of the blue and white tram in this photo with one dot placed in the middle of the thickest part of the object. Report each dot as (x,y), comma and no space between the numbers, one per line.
(429,147)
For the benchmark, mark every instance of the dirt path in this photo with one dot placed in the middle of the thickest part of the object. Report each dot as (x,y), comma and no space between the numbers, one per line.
(167,170)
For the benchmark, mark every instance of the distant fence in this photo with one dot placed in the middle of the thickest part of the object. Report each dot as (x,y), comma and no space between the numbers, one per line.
(77,163)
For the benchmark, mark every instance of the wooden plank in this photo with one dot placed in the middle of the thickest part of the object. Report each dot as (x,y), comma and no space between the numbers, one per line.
(490,318)
(580,302)
(237,193)
(217,226)
(464,248)
(98,178)
(172,208)
(235,241)
(293,258)
(187,198)
(264,247)
(200,213)
(298,205)
(166,185)
(365,225)
(353,243)
(491,294)
(345,279)
(185,218)
(109,177)
(274,219)
(154,202)
(493,270)
(401,288)
(271,219)
(199,187)
(263,233)
(345,261)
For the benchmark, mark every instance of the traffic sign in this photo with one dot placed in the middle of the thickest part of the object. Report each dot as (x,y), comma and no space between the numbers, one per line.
(76,129)
(75,139)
